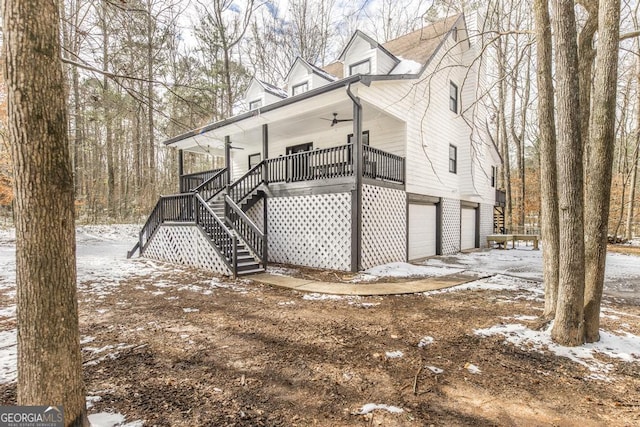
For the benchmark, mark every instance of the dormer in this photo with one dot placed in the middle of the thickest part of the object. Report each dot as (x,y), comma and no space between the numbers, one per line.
(259,94)
(303,77)
(364,55)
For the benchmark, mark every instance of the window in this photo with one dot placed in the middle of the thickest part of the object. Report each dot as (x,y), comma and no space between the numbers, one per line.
(453,159)
(255,104)
(308,146)
(454,34)
(300,88)
(365,138)
(362,67)
(254,159)
(453,97)
(493,176)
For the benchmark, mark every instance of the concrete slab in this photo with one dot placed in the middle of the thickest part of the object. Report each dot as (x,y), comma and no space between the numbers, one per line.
(365,289)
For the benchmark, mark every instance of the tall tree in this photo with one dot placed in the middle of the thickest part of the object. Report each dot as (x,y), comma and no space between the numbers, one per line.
(49,358)
(568,328)
(547,147)
(600,162)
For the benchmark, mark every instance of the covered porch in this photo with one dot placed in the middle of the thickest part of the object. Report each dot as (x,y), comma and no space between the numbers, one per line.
(309,140)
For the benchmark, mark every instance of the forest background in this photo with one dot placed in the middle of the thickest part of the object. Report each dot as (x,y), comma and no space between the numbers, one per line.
(141,71)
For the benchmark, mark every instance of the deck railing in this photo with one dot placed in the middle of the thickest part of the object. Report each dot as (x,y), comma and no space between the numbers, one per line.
(191,207)
(213,185)
(331,162)
(247,230)
(245,185)
(379,164)
(190,181)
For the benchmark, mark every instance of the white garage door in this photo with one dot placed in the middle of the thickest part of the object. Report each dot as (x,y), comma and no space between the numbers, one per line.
(422,231)
(467,228)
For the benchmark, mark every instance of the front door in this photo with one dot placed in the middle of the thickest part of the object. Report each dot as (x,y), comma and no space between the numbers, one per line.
(298,164)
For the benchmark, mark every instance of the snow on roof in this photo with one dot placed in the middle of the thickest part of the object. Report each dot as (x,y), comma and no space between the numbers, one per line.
(406,66)
(273,89)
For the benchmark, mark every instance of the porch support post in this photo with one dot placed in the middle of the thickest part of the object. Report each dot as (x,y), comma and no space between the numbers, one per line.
(180,170)
(356,195)
(265,151)
(227,157)
(227,164)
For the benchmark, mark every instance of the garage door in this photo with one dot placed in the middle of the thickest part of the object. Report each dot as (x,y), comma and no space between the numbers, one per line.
(467,228)
(422,231)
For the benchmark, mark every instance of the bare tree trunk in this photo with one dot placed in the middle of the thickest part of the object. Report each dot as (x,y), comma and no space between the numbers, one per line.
(634,175)
(586,55)
(49,358)
(568,328)
(106,109)
(548,172)
(600,160)
(503,138)
(150,98)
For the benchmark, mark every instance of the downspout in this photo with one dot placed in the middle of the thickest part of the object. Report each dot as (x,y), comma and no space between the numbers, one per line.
(356,194)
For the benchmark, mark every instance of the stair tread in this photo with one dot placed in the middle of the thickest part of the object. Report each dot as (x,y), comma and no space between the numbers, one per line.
(245,272)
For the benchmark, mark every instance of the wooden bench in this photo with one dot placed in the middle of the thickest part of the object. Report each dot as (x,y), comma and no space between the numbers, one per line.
(501,240)
(527,238)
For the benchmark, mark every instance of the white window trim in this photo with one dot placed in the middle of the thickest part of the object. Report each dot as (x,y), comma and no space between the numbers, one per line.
(294,87)
(357,64)
(253,102)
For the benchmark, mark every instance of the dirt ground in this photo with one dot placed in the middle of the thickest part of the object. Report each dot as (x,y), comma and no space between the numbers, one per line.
(175,350)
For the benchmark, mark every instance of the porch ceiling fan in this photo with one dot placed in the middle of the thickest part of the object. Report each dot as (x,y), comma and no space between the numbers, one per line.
(336,120)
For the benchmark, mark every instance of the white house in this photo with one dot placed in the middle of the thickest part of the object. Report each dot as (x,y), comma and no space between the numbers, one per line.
(372,159)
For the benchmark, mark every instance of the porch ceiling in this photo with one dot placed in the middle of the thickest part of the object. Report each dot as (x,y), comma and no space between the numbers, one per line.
(294,120)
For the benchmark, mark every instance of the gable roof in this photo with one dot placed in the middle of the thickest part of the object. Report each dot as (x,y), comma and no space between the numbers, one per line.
(273,90)
(311,68)
(371,41)
(418,46)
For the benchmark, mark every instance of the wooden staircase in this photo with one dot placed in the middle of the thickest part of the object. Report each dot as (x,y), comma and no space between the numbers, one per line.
(234,236)
(245,261)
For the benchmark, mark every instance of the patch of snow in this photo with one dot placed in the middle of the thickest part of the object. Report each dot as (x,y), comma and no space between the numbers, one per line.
(285,303)
(91,400)
(190,310)
(520,317)
(107,348)
(397,354)
(110,419)
(403,269)
(8,356)
(625,346)
(370,407)
(365,304)
(435,369)
(87,340)
(325,297)
(425,341)
(496,283)
(281,271)
(472,368)
(407,66)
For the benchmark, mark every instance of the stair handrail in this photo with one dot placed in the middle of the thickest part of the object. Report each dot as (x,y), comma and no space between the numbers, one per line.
(243,186)
(247,230)
(227,250)
(186,180)
(212,186)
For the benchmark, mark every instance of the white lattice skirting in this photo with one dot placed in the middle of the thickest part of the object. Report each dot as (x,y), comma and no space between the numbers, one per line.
(486,223)
(186,245)
(384,217)
(450,226)
(314,230)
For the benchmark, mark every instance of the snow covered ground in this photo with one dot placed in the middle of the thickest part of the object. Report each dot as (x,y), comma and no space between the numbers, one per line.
(102,265)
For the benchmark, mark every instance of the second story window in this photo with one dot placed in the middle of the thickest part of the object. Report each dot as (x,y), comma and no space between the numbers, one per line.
(362,67)
(493,176)
(453,159)
(255,104)
(300,88)
(453,97)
